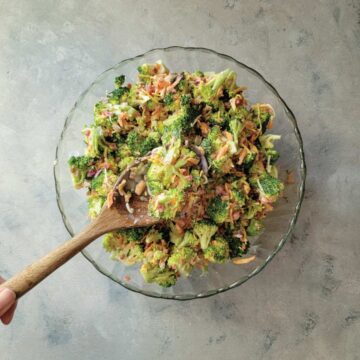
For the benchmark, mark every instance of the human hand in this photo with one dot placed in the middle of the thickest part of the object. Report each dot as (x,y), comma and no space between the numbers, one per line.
(7,304)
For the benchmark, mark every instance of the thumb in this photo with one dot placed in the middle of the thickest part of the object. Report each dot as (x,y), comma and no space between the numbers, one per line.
(7,299)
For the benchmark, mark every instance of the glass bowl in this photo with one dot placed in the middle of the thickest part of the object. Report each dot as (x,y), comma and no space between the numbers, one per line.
(279,223)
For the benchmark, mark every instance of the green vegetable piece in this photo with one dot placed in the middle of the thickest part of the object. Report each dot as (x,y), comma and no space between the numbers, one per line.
(182,260)
(237,247)
(254,228)
(218,251)
(154,274)
(133,234)
(167,204)
(204,230)
(95,204)
(140,146)
(269,185)
(168,99)
(79,166)
(210,90)
(153,236)
(218,210)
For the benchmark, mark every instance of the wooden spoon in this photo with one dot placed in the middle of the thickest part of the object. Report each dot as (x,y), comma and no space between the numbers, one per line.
(111,218)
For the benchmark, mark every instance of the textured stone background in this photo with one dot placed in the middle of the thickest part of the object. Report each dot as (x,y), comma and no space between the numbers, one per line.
(306,304)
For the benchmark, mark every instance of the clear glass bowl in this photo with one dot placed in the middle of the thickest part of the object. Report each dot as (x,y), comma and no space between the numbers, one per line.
(279,224)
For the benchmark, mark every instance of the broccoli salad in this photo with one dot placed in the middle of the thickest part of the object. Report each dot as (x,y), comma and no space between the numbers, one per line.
(210,174)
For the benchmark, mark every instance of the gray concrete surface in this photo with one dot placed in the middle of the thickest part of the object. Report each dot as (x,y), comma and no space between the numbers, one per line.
(306,304)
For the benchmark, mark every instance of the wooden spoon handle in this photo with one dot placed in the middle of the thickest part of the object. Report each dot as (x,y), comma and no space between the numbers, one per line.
(32,275)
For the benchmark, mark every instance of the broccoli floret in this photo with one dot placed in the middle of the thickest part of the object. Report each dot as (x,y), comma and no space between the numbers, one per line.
(117,96)
(218,210)
(148,70)
(110,242)
(179,123)
(95,141)
(119,81)
(185,99)
(237,247)
(168,99)
(153,236)
(175,235)
(262,116)
(267,141)
(182,260)
(139,145)
(218,150)
(269,186)
(133,234)
(97,182)
(235,127)
(95,204)
(211,142)
(220,118)
(238,197)
(217,251)
(102,116)
(209,91)
(273,154)
(130,254)
(157,177)
(204,230)
(124,162)
(167,204)
(196,177)
(249,161)
(79,166)
(252,209)
(154,274)
(127,252)
(255,227)
(188,240)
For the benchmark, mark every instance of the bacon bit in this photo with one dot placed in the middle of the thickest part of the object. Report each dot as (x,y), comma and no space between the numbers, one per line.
(240,261)
(110,198)
(222,152)
(204,128)
(270,124)
(127,278)
(238,100)
(219,190)
(236,215)
(228,135)
(87,133)
(140,187)
(192,161)
(179,228)
(91,173)
(129,85)
(290,177)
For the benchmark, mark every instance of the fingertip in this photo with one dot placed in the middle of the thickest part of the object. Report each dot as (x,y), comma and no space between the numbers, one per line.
(9,315)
